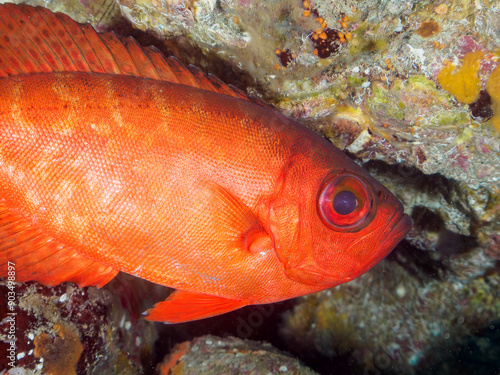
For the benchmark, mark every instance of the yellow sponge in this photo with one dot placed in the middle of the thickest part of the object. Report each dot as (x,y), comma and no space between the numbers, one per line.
(465,83)
(493,88)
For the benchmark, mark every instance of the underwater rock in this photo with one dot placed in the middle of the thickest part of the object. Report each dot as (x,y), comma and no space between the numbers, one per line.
(64,329)
(215,355)
(410,122)
(449,217)
(392,321)
(478,353)
(333,53)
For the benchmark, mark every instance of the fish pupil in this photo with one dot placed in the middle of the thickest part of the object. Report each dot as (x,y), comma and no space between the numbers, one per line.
(344,202)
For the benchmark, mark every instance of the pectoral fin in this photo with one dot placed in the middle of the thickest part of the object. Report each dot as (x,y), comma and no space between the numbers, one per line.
(182,306)
(233,223)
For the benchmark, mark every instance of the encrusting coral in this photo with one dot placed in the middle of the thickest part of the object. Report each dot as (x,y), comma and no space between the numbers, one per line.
(61,353)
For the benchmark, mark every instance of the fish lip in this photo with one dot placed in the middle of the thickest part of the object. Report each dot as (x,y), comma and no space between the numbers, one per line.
(400,226)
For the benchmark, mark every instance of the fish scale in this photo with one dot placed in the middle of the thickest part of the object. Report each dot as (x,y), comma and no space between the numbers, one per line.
(115,158)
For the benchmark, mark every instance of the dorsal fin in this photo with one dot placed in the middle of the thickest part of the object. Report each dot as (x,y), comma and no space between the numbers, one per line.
(35,40)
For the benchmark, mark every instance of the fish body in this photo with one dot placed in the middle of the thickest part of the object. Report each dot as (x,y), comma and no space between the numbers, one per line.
(194,188)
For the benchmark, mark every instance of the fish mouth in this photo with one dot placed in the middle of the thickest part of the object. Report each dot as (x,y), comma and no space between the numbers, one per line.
(400,226)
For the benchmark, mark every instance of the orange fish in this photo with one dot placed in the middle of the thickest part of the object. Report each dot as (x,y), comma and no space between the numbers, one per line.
(115,158)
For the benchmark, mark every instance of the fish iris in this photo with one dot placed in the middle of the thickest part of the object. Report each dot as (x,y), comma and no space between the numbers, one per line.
(345,202)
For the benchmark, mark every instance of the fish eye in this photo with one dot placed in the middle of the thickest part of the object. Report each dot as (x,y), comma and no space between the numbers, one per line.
(346,202)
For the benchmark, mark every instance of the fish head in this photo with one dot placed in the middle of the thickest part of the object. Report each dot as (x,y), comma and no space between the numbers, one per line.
(332,221)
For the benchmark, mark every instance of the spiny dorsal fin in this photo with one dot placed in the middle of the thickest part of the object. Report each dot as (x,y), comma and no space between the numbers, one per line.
(35,40)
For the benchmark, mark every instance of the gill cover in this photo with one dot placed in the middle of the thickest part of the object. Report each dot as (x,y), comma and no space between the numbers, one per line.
(345,204)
